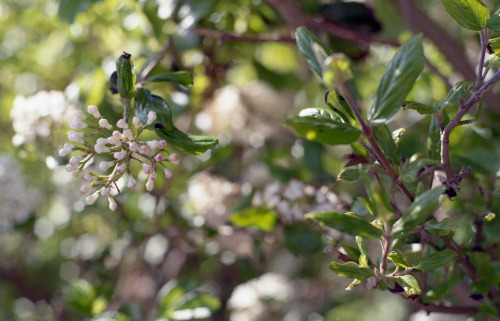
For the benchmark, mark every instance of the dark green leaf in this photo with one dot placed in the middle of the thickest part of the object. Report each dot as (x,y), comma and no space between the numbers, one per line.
(397,80)
(410,173)
(420,108)
(347,223)
(189,143)
(384,139)
(351,270)
(460,90)
(145,103)
(352,252)
(335,101)
(439,291)
(494,22)
(313,49)
(434,260)
(434,140)
(470,14)
(349,174)
(180,77)
(323,130)
(441,228)
(260,218)
(416,214)
(300,239)
(410,285)
(398,259)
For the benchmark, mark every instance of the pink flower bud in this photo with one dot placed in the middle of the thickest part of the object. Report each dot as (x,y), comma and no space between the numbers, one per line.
(76,123)
(143,149)
(131,182)
(89,178)
(75,160)
(94,111)
(168,174)
(146,168)
(64,151)
(115,139)
(134,147)
(104,123)
(153,144)
(75,137)
(105,192)
(121,168)
(90,200)
(100,146)
(112,204)
(120,155)
(104,166)
(151,117)
(150,185)
(153,177)
(68,146)
(137,122)
(174,159)
(71,167)
(128,134)
(85,189)
(163,143)
(121,124)
(159,157)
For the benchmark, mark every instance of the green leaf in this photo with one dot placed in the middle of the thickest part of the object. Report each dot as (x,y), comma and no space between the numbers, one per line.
(439,291)
(323,130)
(397,80)
(111,316)
(441,228)
(410,173)
(189,143)
(197,306)
(420,108)
(347,223)
(383,136)
(416,214)
(398,259)
(337,70)
(145,103)
(379,200)
(470,14)
(434,140)
(257,217)
(320,113)
(351,251)
(181,77)
(410,285)
(313,50)
(169,297)
(69,9)
(349,174)
(363,249)
(300,239)
(493,61)
(459,91)
(351,270)
(434,260)
(337,103)
(494,22)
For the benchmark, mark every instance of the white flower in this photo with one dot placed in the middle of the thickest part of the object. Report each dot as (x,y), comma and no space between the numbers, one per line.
(85,189)
(75,160)
(65,151)
(71,167)
(146,168)
(115,139)
(120,155)
(151,117)
(137,122)
(150,185)
(128,134)
(104,166)
(131,182)
(121,123)
(153,144)
(75,137)
(94,111)
(76,123)
(100,146)
(105,192)
(168,174)
(90,200)
(121,168)
(112,204)
(104,123)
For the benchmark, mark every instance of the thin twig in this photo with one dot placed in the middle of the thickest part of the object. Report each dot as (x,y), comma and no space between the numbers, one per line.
(145,72)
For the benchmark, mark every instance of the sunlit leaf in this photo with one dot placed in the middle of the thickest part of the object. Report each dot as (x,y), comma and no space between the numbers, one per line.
(434,260)
(384,139)
(398,259)
(411,286)
(349,174)
(313,49)
(260,218)
(351,270)
(470,14)
(335,101)
(347,223)
(459,91)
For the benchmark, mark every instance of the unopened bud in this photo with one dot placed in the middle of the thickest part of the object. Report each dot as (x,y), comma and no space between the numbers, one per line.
(90,200)
(112,204)
(104,166)
(128,134)
(150,185)
(105,192)
(168,173)
(120,155)
(94,111)
(146,168)
(75,137)
(137,122)
(151,117)
(121,123)
(76,123)
(85,189)
(121,168)
(131,182)
(104,123)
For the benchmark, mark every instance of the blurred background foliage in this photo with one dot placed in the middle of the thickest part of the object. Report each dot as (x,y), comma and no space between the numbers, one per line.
(191,249)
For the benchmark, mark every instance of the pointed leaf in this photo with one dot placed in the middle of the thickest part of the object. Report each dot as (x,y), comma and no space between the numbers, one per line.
(383,136)
(350,224)
(257,217)
(397,80)
(434,140)
(459,91)
(470,14)
(181,77)
(313,49)
(439,291)
(434,260)
(351,270)
(349,175)
(410,285)
(420,108)
(494,22)
(335,101)
(398,259)
(441,228)
(145,103)
(410,173)
(416,214)
(189,143)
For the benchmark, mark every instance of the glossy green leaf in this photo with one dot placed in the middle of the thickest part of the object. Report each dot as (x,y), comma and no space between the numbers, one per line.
(347,223)
(397,80)
(434,260)
(313,50)
(181,77)
(420,108)
(189,143)
(459,91)
(398,259)
(145,103)
(410,172)
(437,292)
(416,214)
(494,22)
(470,14)
(302,240)
(383,136)
(410,285)
(320,113)
(441,228)
(323,130)
(337,103)
(257,217)
(349,174)
(351,270)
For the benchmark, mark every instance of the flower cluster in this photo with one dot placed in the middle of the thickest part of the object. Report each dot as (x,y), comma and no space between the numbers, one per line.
(95,135)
